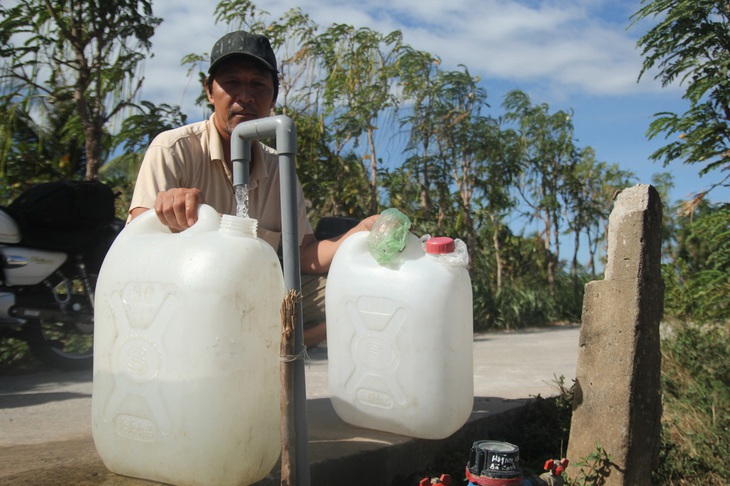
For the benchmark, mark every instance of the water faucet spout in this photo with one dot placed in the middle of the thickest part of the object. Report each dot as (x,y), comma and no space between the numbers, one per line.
(282,127)
(241,158)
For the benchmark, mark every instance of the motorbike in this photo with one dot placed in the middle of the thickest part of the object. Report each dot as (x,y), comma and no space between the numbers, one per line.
(53,240)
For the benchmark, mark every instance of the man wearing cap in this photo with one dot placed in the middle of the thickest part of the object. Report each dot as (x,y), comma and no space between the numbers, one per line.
(191,165)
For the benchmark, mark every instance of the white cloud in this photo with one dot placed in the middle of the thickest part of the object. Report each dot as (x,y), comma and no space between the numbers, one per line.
(572,46)
(510,41)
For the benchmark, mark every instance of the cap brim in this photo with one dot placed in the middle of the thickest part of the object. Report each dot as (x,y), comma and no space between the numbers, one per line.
(239,54)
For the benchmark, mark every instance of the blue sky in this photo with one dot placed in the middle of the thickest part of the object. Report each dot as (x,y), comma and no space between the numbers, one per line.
(570,54)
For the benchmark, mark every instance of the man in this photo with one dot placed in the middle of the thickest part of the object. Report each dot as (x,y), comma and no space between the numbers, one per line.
(192,165)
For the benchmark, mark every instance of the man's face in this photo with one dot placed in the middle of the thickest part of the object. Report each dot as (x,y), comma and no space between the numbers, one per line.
(242,90)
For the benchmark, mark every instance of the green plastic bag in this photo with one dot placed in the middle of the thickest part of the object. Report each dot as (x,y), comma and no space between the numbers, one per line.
(388,236)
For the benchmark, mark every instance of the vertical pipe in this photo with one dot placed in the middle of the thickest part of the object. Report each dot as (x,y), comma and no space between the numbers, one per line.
(285,131)
(241,159)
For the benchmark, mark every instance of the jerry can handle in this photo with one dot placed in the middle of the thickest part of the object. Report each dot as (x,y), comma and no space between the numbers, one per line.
(148,222)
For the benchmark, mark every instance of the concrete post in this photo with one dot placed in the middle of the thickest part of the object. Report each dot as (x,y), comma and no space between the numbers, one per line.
(617,402)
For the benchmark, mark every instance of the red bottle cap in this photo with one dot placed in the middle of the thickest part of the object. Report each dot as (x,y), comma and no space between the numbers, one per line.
(440,244)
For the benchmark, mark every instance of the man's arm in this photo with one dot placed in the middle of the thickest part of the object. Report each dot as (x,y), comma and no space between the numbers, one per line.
(316,255)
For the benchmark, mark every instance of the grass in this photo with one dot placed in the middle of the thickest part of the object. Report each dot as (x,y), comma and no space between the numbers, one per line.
(696,420)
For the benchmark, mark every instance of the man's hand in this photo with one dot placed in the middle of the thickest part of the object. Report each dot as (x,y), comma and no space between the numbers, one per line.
(178,208)
(367,223)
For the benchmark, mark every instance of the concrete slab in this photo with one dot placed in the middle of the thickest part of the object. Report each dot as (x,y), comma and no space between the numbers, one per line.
(45,432)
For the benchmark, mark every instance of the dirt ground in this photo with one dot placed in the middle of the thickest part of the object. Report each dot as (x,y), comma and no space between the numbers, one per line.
(38,405)
(58,463)
(51,463)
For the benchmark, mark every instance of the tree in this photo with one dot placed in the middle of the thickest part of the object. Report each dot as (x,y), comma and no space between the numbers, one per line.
(87,51)
(582,205)
(691,44)
(420,91)
(360,66)
(548,157)
(698,282)
(463,136)
(294,37)
(38,150)
(334,185)
(501,152)
(664,183)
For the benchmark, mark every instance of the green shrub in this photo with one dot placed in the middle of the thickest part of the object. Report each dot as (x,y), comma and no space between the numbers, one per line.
(697,281)
(14,355)
(517,308)
(696,419)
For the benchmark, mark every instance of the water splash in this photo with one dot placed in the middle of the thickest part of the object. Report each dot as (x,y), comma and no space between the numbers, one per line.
(242,201)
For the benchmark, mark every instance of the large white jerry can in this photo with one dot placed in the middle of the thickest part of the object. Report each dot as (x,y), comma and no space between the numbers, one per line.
(186,353)
(399,339)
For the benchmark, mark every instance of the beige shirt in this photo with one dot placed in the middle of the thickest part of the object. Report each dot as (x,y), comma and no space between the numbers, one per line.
(192,156)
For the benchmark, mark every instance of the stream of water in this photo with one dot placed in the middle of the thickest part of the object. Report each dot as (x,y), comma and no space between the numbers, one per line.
(242,201)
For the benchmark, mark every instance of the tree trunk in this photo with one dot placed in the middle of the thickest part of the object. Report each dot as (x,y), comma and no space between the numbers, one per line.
(497,250)
(548,254)
(93,153)
(554,258)
(591,253)
(373,174)
(470,236)
(574,265)
(425,206)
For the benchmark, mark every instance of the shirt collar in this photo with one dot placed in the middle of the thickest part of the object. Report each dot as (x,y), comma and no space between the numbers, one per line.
(258,169)
(215,143)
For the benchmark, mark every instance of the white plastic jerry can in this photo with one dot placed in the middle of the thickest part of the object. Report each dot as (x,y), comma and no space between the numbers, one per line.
(186,353)
(399,337)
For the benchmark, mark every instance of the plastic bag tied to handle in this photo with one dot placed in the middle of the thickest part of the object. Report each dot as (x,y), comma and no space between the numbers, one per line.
(387,238)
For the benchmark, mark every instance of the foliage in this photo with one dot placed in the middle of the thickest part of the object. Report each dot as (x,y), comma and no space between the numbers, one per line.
(524,300)
(14,355)
(548,157)
(334,185)
(37,152)
(359,66)
(462,141)
(519,308)
(594,469)
(567,304)
(690,44)
(85,53)
(590,186)
(696,419)
(698,281)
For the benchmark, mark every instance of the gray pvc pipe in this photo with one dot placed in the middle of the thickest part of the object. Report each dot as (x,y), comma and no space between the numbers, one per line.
(282,127)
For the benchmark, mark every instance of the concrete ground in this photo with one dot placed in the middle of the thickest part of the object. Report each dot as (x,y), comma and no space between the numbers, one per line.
(45,425)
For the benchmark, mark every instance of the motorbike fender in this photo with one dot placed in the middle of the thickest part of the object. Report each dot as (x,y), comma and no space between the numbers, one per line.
(29,266)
